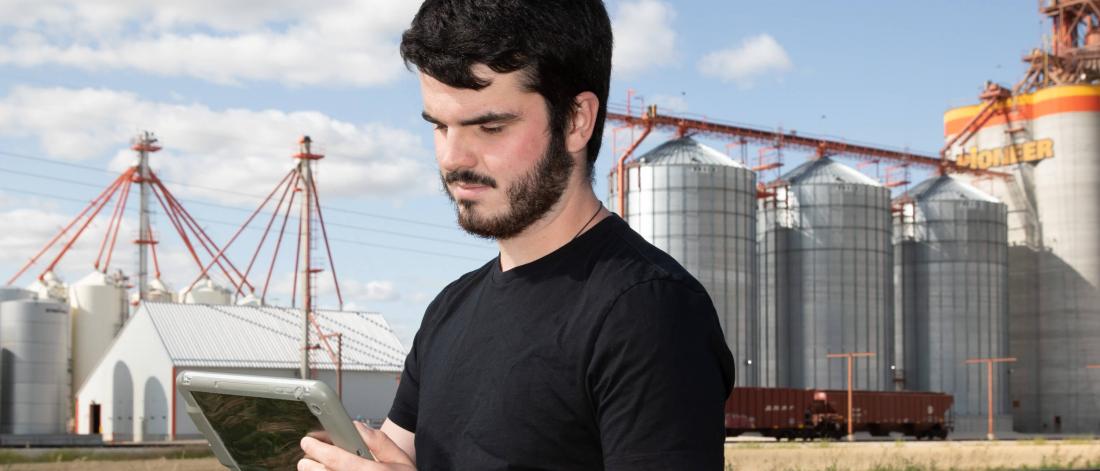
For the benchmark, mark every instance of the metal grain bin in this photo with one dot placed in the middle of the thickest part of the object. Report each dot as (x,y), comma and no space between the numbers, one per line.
(827,278)
(698,205)
(951,278)
(34,360)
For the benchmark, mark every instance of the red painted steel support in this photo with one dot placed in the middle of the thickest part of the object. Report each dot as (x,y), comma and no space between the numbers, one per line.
(123,198)
(267,230)
(92,204)
(989,386)
(328,248)
(221,252)
(850,357)
(76,236)
(279,241)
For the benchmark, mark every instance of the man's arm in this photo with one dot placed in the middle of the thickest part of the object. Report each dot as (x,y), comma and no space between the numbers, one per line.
(659,375)
(403,438)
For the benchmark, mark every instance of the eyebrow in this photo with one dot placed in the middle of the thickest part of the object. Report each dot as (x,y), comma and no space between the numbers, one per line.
(490,117)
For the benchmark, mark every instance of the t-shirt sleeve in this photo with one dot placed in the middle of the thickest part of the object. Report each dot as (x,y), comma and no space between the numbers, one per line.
(659,377)
(406,403)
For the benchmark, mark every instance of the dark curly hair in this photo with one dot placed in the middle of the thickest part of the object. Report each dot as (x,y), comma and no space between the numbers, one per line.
(563,47)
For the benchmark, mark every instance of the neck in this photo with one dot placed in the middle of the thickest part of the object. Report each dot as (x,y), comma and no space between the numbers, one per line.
(558,227)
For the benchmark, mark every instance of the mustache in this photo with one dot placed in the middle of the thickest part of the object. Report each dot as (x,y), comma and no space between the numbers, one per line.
(469,177)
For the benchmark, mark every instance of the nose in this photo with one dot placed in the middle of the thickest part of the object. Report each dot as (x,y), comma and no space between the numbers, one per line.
(454,151)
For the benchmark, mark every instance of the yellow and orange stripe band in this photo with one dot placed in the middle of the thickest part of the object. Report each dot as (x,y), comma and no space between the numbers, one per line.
(1048,101)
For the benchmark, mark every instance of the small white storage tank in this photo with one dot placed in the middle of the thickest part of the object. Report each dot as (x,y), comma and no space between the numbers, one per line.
(10,293)
(206,292)
(249,300)
(34,392)
(99,309)
(158,292)
(50,287)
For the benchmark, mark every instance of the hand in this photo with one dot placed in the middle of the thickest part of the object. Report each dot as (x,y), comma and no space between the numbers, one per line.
(321,456)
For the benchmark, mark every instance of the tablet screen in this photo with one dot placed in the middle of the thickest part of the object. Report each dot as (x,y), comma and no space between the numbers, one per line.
(259,433)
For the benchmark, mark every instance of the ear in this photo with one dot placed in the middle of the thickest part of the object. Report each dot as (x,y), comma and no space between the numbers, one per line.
(585,108)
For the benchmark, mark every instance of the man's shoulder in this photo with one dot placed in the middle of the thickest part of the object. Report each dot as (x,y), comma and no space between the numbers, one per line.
(628,260)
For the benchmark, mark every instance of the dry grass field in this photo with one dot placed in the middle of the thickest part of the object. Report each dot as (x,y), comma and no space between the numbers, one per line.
(915,456)
(751,456)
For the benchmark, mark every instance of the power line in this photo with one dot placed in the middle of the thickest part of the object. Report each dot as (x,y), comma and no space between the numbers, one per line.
(225,191)
(230,224)
(233,208)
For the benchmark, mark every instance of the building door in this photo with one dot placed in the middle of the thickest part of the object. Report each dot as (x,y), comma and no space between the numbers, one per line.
(94,415)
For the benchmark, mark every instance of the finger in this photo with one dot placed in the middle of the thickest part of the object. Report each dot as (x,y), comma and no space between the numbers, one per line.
(380,445)
(330,456)
(321,435)
(306,464)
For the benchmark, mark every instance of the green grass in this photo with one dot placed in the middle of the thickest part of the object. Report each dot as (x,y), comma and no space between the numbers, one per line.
(62,456)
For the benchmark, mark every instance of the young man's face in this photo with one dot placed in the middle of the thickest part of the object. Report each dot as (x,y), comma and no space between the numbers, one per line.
(498,160)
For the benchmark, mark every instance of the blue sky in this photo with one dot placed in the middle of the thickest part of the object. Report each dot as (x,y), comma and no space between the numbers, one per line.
(230,86)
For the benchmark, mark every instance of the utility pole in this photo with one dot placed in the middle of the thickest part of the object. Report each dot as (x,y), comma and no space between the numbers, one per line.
(850,356)
(144,145)
(989,386)
(305,158)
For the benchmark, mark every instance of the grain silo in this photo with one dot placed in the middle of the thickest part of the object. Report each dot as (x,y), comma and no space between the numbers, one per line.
(34,360)
(8,293)
(1048,140)
(826,275)
(698,205)
(951,275)
(99,309)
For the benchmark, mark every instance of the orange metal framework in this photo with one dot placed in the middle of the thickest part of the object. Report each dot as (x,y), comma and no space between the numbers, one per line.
(294,182)
(989,385)
(1075,46)
(786,140)
(181,221)
(849,357)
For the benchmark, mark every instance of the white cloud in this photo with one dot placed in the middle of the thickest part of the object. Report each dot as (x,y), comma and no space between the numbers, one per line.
(755,57)
(338,42)
(644,37)
(247,151)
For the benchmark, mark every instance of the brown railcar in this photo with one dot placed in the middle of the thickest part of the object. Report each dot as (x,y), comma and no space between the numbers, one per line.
(816,413)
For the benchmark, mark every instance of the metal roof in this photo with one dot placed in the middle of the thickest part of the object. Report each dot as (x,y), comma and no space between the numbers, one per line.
(948,188)
(207,335)
(825,171)
(686,151)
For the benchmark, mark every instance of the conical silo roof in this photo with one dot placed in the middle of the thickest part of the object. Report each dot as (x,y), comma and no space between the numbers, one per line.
(948,188)
(826,171)
(686,151)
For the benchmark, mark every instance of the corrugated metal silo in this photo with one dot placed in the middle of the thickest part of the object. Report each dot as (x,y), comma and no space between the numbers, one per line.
(698,205)
(826,273)
(35,360)
(951,275)
(1050,146)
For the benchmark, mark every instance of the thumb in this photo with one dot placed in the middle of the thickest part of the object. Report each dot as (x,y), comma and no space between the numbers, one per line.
(380,445)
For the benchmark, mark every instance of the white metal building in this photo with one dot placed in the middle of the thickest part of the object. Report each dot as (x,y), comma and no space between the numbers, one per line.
(131,393)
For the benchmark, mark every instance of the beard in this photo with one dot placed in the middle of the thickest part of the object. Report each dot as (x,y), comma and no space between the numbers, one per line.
(529,198)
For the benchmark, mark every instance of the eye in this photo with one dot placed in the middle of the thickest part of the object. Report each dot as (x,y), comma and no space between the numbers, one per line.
(492,129)
(441,127)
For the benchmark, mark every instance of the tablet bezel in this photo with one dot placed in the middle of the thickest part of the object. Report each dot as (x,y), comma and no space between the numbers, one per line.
(318,397)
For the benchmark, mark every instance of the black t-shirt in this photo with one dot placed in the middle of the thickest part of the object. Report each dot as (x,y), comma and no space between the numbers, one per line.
(605,354)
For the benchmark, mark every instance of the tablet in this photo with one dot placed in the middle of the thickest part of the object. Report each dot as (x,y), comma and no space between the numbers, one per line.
(257,422)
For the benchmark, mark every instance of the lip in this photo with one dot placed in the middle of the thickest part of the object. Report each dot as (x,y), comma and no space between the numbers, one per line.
(468,191)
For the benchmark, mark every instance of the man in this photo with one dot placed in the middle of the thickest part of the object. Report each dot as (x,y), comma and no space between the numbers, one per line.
(581,346)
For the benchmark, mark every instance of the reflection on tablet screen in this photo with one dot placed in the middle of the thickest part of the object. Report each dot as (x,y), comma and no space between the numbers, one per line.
(259,433)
